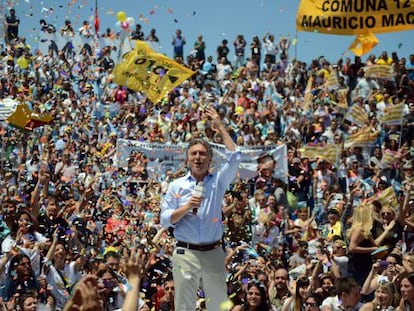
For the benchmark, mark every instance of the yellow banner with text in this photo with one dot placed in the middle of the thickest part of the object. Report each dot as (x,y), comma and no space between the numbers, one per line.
(354,17)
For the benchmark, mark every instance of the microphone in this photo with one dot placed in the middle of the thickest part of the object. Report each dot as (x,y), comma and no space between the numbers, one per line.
(198,193)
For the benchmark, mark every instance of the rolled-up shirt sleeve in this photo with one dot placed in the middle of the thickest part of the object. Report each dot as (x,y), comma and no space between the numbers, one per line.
(169,204)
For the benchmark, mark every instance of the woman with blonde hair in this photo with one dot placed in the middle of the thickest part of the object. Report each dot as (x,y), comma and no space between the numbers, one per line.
(266,232)
(361,243)
(386,297)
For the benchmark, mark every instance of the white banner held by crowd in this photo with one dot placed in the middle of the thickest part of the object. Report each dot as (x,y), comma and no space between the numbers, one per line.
(123,43)
(165,157)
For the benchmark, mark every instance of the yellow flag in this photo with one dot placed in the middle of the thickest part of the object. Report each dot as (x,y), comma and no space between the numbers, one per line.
(357,115)
(120,68)
(307,100)
(363,44)
(20,117)
(330,153)
(153,73)
(364,137)
(393,115)
(37,120)
(385,72)
(343,98)
(387,197)
(332,81)
(354,17)
(388,159)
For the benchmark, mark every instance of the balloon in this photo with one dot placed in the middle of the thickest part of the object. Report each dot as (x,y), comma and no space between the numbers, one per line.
(124,25)
(121,16)
(118,25)
(120,96)
(207,66)
(292,200)
(130,20)
(239,110)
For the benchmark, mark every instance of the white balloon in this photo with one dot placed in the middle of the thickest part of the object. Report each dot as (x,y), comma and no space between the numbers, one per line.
(131,21)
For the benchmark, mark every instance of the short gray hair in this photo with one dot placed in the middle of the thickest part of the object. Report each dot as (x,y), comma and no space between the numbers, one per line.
(200,141)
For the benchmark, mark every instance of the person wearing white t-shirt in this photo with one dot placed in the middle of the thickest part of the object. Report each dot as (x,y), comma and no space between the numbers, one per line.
(60,275)
(223,69)
(339,258)
(270,47)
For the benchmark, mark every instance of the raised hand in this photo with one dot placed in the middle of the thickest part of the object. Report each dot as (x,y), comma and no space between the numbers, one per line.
(86,296)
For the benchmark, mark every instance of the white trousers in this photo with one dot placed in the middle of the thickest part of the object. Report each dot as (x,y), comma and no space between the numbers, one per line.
(190,268)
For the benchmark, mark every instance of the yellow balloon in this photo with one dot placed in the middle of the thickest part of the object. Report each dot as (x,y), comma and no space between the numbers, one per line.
(121,16)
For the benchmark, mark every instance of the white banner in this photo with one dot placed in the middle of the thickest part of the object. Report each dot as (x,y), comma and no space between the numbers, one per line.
(7,107)
(122,43)
(164,157)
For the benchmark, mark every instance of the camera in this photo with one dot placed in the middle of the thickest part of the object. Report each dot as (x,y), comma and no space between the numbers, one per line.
(236,194)
(108,283)
(384,264)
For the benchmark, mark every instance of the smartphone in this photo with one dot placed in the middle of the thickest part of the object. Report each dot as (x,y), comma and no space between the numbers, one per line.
(383,264)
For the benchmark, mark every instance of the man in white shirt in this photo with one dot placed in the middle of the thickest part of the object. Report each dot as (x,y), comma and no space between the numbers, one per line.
(270,47)
(223,69)
(365,86)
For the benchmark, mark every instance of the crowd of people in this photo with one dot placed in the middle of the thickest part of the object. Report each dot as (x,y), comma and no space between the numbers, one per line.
(72,222)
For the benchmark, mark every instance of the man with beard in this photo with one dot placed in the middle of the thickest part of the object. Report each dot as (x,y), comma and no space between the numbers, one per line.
(50,219)
(278,288)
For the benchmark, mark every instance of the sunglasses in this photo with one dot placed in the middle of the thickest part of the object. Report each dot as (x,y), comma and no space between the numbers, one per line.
(311,304)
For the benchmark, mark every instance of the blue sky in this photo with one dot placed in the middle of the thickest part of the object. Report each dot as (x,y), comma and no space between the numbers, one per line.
(215,20)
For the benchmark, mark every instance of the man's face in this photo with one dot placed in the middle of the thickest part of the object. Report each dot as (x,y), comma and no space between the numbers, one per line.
(266,168)
(311,304)
(51,208)
(113,263)
(198,160)
(351,300)
(281,277)
(169,290)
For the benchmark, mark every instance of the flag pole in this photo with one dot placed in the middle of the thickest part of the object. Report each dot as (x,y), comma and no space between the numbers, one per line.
(96,22)
(401,126)
(296,45)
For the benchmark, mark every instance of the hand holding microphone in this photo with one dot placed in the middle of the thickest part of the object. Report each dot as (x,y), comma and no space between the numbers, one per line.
(198,192)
